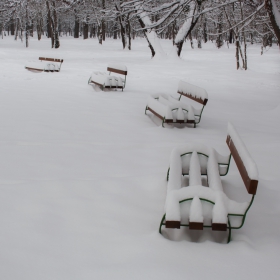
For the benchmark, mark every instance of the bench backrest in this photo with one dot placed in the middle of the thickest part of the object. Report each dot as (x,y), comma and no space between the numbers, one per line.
(193,92)
(245,164)
(51,59)
(119,69)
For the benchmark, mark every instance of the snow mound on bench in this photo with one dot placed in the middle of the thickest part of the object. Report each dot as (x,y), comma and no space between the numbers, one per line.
(192,90)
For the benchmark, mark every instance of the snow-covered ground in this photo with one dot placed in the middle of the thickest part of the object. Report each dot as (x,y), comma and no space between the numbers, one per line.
(83,172)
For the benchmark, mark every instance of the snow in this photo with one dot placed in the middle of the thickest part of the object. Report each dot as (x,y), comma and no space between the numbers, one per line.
(184,29)
(105,79)
(213,177)
(214,192)
(160,108)
(246,158)
(196,211)
(195,170)
(83,172)
(193,90)
(173,108)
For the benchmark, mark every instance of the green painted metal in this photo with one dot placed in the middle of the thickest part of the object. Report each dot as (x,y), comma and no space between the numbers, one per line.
(199,116)
(163,122)
(205,226)
(229,231)
(244,215)
(184,174)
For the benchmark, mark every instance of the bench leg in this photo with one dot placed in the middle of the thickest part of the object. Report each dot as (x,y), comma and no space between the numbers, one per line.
(161,223)
(163,122)
(229,231)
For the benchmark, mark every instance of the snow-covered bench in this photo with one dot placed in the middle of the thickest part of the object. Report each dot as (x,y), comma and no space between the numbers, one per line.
(104,80)
(45,64)
(196,160)
(172,111)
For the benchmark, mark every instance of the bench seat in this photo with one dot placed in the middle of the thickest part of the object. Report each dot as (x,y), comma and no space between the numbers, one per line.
(45,65)
(104,80)
(196,160)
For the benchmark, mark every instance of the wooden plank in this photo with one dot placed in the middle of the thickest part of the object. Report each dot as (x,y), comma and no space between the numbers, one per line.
(199,100)
(96,83)
(51,59)
(117,71)
(113,87)
(251,185)
(35,69)
(195,226)
(155,113)
(219,227)
(172,224)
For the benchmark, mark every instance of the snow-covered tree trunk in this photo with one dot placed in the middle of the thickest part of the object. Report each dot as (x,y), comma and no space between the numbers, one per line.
(274,16)
(149,33)
(186,28)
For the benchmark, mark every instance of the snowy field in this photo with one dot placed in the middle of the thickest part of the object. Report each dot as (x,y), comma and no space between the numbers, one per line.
(83,172)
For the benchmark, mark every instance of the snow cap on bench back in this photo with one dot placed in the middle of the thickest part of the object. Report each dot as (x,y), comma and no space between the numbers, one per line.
(246,165)
(194,92)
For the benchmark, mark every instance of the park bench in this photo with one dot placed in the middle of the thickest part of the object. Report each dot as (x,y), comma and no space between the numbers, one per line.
(104,80)
(45,65)
(171,110)
(196,160)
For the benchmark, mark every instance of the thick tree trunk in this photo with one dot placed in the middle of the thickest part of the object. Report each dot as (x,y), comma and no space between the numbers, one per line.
(26,26)
(274,16)
(55,27)
(103,22)
(13,27)
(99,34)
(77,26)
(219,40)
(50,29)
(145,35)
(85,29)
(186,29)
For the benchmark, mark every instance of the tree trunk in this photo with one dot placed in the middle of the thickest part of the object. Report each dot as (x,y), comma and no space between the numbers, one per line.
(26,25)
(85,29)
(274,16)
(50,30)
(186,29)
(219,40)
(237,51)
(55,27)
(77,26)
(145,35)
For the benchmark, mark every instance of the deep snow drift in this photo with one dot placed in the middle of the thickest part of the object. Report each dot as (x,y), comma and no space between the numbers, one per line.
(83,172)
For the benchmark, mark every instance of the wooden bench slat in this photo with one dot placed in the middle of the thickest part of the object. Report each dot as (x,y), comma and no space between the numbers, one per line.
(118,71)
(172,224)
(219,227)
(195,226)
(199,100)
(51,59)
(251,185)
